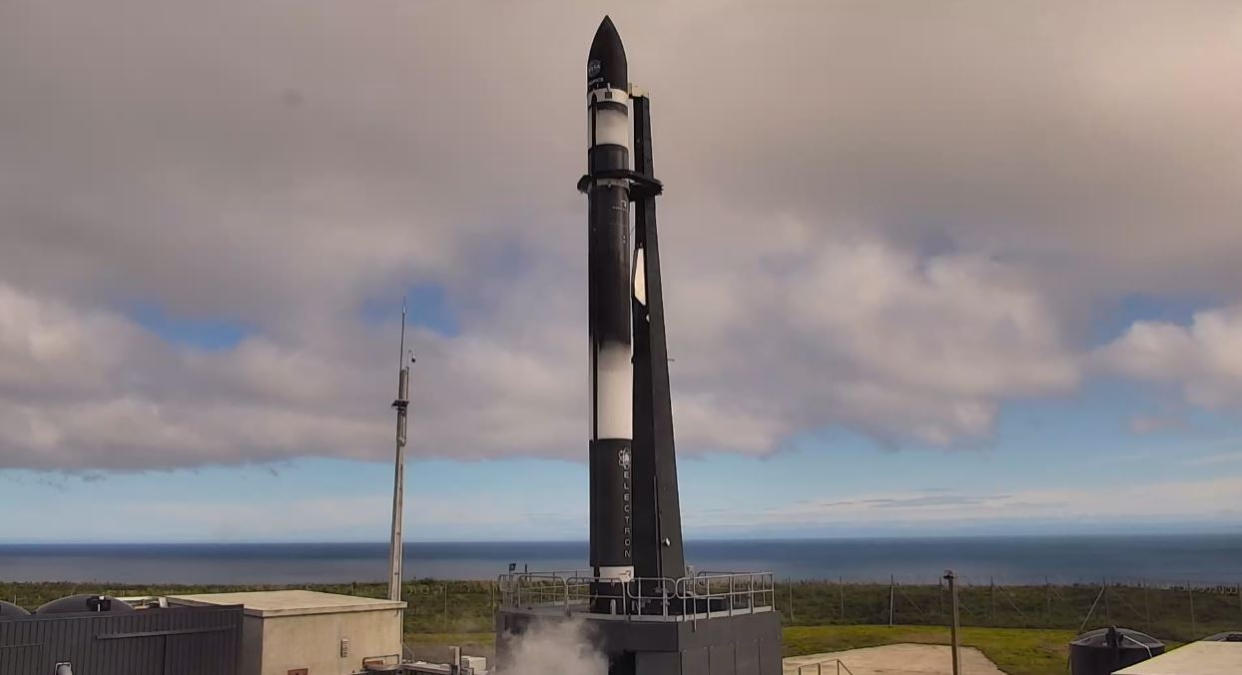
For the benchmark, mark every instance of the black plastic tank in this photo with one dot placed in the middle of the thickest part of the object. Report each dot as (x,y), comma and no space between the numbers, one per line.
(8,609)
(1227,636)
(1104,650)
(85,603)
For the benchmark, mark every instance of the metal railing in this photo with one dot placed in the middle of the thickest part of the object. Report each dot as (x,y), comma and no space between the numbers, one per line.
(819,666)
(703,595)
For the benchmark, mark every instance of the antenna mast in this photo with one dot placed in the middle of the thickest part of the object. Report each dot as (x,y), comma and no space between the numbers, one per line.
(402,403)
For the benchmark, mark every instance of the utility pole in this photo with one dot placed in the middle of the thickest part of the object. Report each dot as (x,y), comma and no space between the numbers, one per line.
(401,404)
(949,577)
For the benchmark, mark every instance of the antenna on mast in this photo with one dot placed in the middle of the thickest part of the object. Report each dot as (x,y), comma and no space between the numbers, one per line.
(402,403)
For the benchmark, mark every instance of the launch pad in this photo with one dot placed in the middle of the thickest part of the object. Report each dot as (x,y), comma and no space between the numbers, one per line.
(708,624)
(639,606)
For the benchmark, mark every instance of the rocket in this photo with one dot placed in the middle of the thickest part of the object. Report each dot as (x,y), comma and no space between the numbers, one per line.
(610,290)
(635,511)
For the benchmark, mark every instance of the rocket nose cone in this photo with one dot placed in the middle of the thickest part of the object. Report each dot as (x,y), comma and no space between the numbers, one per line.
(606,65)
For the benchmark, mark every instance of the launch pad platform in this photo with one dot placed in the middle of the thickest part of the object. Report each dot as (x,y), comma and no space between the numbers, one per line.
(706,624)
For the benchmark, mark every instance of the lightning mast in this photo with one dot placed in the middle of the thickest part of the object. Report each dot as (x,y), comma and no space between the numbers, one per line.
(402,404)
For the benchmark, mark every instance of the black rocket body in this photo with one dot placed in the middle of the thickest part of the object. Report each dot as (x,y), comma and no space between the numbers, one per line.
(610,291)
(637,555)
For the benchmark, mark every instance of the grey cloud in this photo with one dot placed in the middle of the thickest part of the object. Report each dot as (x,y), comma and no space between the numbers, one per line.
(891,217)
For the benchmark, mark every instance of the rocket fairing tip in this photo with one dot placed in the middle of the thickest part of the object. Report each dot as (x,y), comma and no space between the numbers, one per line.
(606,66)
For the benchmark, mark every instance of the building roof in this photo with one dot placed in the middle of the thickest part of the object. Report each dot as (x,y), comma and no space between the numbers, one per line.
(1196,658)
(289,603)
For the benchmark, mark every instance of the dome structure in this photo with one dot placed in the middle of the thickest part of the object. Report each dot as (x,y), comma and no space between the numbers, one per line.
(85,602)
(1105,650)
(8,609)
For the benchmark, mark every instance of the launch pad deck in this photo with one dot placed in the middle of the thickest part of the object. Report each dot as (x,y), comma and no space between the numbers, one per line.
(708,624)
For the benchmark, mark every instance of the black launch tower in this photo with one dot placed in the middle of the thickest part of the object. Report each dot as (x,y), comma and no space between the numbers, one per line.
(644,609)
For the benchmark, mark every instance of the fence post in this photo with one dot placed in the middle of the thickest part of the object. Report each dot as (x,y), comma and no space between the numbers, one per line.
(992,599)
(791,608)
(1108,614)
(891,586)
(940,597)
(841,587)
(1047,602)
(1190,592)
(1147,603)
(948,576)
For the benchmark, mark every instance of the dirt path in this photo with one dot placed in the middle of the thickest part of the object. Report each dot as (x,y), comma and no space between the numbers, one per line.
(900,659)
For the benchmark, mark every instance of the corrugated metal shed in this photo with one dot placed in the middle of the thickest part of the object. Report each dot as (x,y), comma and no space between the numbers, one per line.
(1196,658)
(175,641)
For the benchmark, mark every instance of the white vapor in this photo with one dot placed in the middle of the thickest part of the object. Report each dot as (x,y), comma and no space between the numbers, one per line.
(555,647)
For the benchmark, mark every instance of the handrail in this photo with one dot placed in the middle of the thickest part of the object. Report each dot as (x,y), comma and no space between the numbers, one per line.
(689,597)
(819,666)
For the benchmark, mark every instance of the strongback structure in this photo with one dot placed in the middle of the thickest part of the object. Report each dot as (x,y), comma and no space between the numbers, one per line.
(640,605)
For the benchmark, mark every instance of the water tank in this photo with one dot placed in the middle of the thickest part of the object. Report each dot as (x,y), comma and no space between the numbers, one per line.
(85,603)
(1104,650)
(8,609)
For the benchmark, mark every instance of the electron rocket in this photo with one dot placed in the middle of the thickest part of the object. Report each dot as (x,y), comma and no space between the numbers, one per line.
(610,291)
(637,553)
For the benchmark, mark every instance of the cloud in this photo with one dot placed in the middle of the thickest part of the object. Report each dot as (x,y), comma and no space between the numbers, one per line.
(1204,358)
(1218,458)
(1150,424)
(866,224)
(1160,501)
(815,331)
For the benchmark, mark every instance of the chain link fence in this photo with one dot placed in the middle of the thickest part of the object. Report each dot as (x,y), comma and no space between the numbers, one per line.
(1171,610)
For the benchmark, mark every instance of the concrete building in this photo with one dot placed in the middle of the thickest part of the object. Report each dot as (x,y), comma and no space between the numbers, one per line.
(310,633)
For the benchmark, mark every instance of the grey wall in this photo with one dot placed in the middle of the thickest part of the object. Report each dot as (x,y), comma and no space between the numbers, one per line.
(174,641)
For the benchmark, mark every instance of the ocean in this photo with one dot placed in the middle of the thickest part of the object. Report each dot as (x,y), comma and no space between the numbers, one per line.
(1168,559)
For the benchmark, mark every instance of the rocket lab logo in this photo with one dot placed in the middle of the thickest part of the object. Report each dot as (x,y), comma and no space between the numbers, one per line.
(623,458)
(593,68)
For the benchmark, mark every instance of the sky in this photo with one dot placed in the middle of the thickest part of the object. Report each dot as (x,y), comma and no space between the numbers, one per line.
(930,268)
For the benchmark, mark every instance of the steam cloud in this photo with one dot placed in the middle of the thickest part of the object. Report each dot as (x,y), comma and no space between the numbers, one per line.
(556,647)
